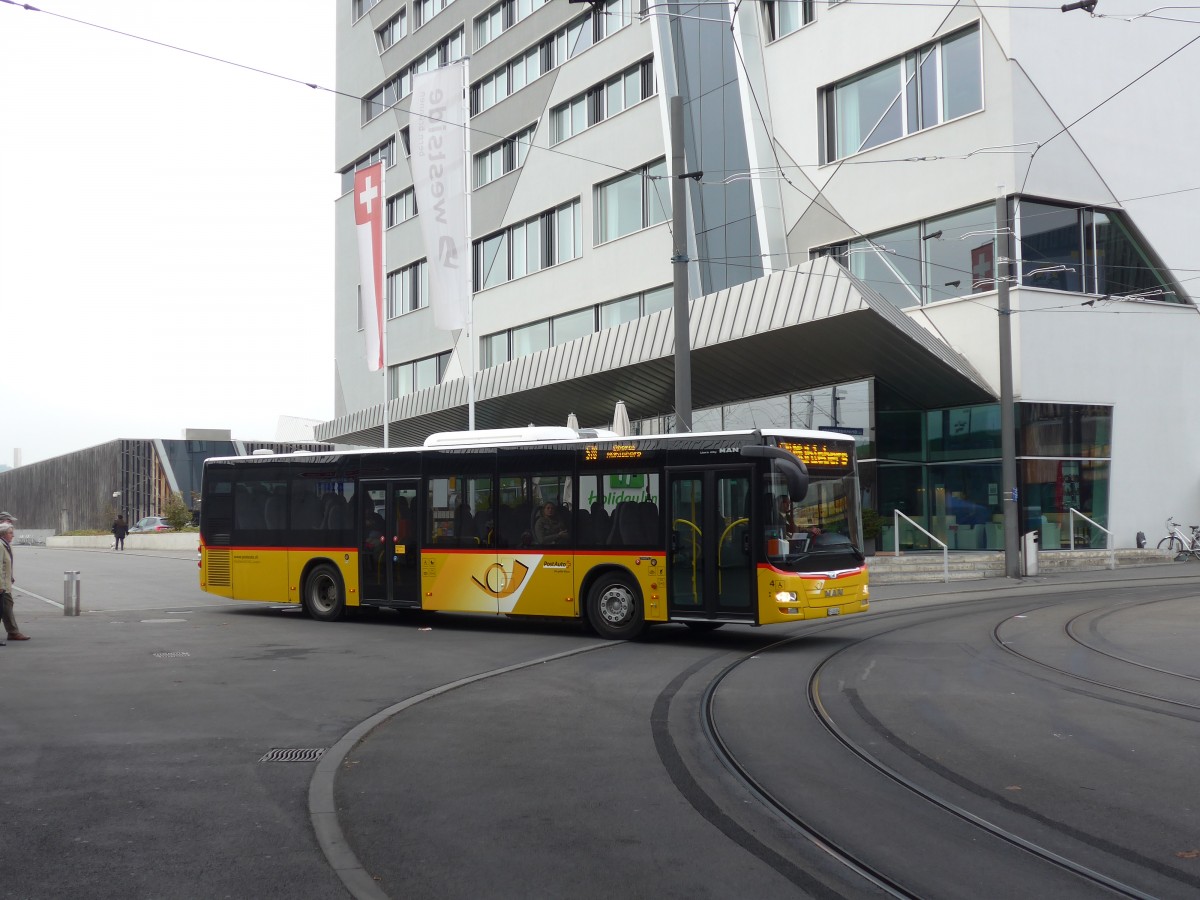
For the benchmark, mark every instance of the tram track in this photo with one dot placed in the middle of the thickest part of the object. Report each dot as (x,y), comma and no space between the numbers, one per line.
(1069,631)
(864,875)
(829,843)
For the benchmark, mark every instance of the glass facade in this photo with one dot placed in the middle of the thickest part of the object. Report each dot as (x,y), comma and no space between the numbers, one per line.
(1063,248)
(942,467)
(708,73)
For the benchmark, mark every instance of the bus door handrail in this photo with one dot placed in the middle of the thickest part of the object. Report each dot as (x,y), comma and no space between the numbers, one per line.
(897,516)
(1108,544)
(695,531)
(721,549)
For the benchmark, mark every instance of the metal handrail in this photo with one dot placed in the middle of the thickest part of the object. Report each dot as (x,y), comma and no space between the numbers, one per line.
(1112,554)
(897,516)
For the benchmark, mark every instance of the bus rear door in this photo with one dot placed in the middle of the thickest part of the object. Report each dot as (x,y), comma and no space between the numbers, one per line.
(389,562)
(710,573)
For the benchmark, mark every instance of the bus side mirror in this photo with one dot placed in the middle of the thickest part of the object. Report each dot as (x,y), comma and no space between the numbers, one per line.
(792,469)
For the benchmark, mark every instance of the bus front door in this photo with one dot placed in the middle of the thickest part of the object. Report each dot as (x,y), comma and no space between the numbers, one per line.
(710,572)
(389,564)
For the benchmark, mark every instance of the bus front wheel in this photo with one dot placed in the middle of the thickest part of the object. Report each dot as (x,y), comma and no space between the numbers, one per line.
(614,608)
(324,599)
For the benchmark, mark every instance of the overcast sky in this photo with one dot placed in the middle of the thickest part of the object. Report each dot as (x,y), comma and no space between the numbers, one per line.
(166,221)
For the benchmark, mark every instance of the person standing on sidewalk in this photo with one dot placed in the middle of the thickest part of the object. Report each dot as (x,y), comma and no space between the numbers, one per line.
(120,528)
(6,584)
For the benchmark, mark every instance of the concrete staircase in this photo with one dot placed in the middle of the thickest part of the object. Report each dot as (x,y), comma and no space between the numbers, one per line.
(918,566)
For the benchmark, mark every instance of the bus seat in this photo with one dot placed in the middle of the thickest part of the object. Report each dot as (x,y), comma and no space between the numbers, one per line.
(584,534)
(335,518)
(275,512)
(510,527)
(618,530)
(306,511)
(601,521)
(648,522)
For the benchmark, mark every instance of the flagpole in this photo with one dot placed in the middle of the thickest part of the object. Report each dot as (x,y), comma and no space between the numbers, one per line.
(470,267)
(383,266)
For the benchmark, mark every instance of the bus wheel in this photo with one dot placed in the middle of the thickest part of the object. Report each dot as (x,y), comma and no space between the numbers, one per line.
(615,608)
(323,598)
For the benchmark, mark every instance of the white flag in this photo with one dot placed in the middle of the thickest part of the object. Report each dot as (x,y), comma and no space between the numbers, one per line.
(438,116)
(368,221)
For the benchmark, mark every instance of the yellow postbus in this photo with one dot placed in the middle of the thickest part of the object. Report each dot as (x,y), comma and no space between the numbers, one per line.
(753,528)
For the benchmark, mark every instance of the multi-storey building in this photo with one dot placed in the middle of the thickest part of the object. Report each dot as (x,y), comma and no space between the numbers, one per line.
(846,248)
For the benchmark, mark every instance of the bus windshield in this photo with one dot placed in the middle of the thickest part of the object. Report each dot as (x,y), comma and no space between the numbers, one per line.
(818,532)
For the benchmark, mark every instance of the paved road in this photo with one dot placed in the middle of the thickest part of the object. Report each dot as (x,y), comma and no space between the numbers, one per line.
(132,738)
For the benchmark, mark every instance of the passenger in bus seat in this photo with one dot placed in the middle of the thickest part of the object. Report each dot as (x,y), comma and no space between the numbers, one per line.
(550,527)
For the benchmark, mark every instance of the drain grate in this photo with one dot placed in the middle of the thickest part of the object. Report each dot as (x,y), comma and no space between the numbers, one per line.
(310,754)
(171,654)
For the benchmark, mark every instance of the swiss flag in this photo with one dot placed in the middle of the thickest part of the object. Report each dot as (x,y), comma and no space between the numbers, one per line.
(368,221)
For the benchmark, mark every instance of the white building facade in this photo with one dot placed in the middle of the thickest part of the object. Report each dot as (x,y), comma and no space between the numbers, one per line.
(842,233)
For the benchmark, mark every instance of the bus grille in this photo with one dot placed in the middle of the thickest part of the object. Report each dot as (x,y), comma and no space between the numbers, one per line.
(218,567)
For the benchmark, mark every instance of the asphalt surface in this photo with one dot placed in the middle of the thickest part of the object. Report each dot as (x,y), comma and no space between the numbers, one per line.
(469,757)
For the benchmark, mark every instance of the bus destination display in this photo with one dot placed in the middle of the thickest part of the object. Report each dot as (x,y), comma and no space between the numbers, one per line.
(593,453)
(818,454)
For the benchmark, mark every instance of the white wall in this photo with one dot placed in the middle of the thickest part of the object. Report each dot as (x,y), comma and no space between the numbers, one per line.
(1125,354)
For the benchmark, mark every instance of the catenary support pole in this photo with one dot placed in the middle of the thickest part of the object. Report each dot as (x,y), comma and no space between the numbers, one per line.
(679,261)
(1008,427)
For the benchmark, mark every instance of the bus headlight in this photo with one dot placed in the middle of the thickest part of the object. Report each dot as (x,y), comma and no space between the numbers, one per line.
(785,597)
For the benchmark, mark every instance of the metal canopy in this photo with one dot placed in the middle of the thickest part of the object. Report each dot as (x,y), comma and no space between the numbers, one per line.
(809,326)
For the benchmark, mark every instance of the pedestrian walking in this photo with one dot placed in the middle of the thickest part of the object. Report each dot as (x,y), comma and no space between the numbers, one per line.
(6,584)
(120,528)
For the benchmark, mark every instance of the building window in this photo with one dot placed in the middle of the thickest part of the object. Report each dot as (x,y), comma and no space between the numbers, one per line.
(505,345)
(417,375)
(785,16)
(1062,248)
(501,17)
(424,10)
(449,49)
(570,326)
(890,262)
(495,349)
(632,202)
(545,240)
(938,259)
(393,30)
(935,84)
(1065,248)
(360,8)
(586,30)
(530,339)
(602,101)
(502,158)
(401,207)
(385,153)
(408,289)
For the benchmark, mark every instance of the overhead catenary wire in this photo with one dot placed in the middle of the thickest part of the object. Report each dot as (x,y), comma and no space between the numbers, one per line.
(779,168)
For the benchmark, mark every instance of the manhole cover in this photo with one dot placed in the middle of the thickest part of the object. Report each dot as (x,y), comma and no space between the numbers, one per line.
(310,754)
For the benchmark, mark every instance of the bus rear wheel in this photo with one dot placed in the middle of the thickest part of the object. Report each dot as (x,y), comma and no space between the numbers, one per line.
(614,608)
(324,598)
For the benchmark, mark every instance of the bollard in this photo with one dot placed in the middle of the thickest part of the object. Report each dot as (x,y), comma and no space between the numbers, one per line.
(70,593)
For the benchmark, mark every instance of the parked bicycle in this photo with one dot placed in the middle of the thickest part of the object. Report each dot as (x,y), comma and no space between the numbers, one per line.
(1179,544)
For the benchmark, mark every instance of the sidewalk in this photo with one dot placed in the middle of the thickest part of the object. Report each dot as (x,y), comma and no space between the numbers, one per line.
(1051,583)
